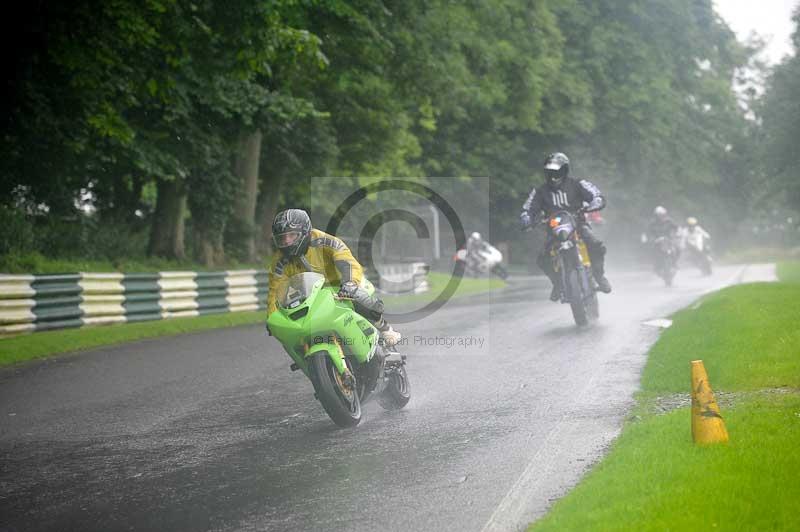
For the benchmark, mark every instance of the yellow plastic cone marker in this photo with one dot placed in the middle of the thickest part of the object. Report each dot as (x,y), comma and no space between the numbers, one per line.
(707,423)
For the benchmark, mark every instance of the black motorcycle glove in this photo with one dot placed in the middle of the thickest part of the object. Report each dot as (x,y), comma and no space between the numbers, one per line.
(525,221)
(348,289)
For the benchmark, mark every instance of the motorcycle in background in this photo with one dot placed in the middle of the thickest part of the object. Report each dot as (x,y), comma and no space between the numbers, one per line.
(698,248)
(666,258)
(480,258)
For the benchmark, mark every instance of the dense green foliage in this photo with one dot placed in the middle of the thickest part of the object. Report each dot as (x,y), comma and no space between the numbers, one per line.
(781,114)
(182,125)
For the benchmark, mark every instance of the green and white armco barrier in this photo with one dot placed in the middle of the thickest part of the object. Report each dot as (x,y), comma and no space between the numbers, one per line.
(31,303)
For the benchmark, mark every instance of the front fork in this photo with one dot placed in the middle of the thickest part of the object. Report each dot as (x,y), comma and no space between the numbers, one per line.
(334,351)
(371,375)
(568,260)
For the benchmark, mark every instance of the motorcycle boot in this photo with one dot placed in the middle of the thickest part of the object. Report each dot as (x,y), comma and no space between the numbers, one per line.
(602,284)
(597,255)
(599,276)
(389,336)
(372,308)
(555,294)
(545,263)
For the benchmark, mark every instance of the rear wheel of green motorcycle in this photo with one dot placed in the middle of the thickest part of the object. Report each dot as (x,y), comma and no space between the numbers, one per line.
(396,394)
(339,399)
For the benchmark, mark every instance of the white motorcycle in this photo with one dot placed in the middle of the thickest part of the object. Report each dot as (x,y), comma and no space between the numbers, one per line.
(481,258)
(698,248)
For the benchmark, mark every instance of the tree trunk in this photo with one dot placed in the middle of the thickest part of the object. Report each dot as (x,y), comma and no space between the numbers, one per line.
(267,209)
(167,230)
(210,249)
(246,169)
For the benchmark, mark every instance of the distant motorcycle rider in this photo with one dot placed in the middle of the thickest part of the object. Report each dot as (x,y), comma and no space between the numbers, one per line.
(693,230)
(475,244)
(482,257)
(560,192)
(661,225)
(696,241)
(304,249)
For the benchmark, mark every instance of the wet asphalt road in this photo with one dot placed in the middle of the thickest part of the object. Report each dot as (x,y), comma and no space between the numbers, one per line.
(211,431)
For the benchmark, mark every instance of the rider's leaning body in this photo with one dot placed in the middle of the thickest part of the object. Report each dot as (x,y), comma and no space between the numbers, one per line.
(695,231)
(326,255)
(475,244)
(661,225)
(694,238)
(305,249)
(563,193)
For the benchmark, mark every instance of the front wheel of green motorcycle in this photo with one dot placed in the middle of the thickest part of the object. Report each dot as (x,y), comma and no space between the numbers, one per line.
(396,394)
(338,394)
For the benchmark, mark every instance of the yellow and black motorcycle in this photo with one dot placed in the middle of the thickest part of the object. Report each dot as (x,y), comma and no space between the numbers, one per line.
(571,263)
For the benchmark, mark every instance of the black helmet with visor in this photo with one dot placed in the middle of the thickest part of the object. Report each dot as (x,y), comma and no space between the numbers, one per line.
(291,231)
(556,169)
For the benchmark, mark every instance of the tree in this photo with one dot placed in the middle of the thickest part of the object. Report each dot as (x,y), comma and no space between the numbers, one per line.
(203,118)
(781,121)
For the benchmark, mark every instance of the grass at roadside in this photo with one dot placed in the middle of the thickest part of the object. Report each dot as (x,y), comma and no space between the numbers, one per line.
(789,272)
(43,344)
(438,282)
(655,478)
(756,255)
(746,335)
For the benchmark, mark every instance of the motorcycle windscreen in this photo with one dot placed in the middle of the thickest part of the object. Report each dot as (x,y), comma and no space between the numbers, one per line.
(298,288)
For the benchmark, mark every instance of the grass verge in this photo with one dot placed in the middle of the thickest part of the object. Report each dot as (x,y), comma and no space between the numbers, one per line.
(655,478)
(789,272)
(756,255)
(438,282)
(43,344)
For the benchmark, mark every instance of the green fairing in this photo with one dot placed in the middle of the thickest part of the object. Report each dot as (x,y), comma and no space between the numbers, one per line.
(328,323)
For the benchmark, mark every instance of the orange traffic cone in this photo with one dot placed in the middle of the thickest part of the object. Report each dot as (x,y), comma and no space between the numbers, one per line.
(707,423)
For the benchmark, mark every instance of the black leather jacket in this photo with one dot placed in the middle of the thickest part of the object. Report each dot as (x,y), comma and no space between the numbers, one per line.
(569,196)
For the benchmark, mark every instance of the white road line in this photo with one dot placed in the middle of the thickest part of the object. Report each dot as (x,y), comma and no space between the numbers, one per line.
(509,513)
(511,510)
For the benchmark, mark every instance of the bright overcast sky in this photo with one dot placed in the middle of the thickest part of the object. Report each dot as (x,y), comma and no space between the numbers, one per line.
(771,19)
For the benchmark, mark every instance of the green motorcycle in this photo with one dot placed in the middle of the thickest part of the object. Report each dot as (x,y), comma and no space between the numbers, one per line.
(338,349)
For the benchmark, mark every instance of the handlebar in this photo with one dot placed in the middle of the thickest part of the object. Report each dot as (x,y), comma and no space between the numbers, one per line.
(543,220)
